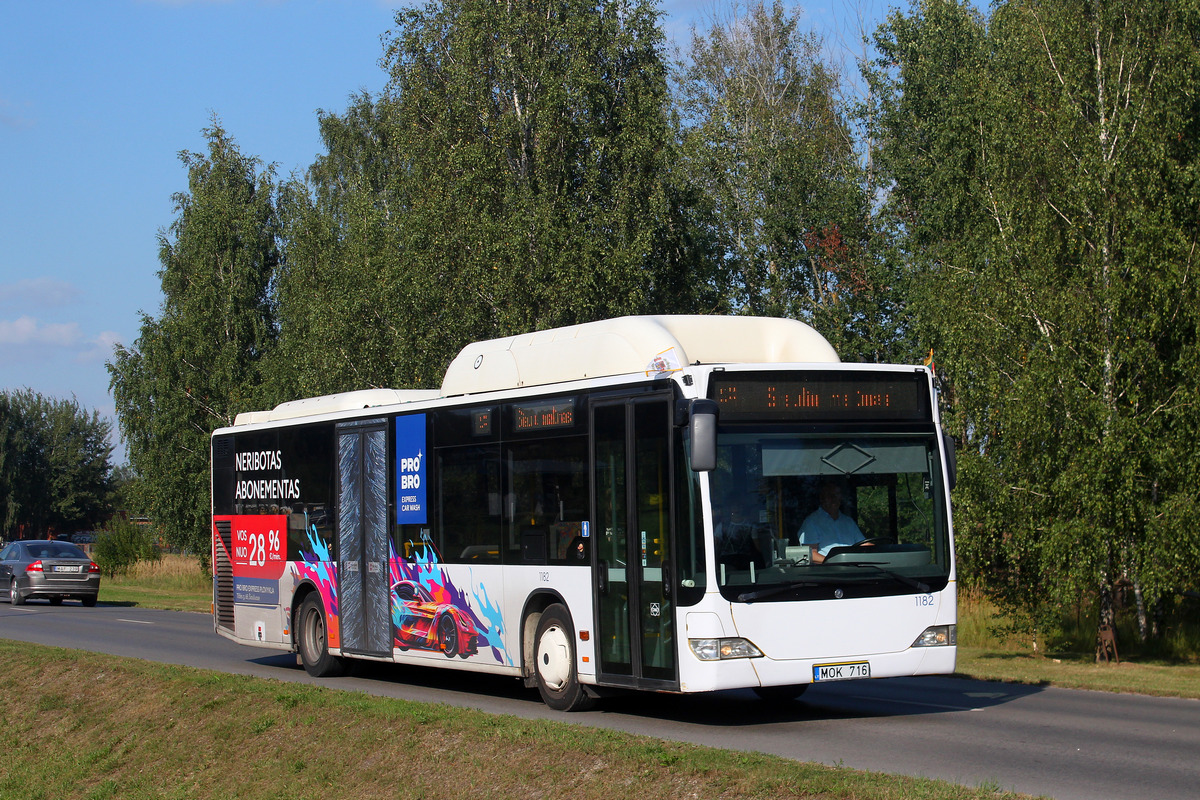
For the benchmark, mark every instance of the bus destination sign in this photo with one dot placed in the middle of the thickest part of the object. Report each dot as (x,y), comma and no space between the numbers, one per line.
(543,415)
(822,396)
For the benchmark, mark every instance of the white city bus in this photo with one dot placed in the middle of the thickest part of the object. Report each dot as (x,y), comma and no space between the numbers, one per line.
(616,505)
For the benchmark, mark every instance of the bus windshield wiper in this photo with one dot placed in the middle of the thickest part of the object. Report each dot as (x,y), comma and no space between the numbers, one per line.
(907,581)
(750,597)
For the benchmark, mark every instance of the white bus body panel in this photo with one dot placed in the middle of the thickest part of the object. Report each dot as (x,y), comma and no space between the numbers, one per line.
(879,630)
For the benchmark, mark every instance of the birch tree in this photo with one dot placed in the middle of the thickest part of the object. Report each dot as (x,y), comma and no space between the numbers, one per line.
(1044,164)
(769,145)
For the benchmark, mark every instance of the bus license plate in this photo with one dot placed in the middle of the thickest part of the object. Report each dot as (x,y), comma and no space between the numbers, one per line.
(841,672)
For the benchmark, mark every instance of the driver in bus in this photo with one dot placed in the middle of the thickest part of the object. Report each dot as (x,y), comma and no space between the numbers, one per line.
(828,527)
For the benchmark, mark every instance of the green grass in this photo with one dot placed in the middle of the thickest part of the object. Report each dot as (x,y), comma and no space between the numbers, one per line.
(988,649)
(1077,671)
(96,726)
(174,582)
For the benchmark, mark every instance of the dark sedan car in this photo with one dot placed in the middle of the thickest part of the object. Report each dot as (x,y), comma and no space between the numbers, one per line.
(50,569)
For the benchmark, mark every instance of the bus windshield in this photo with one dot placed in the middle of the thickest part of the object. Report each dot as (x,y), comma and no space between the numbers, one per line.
(795,516)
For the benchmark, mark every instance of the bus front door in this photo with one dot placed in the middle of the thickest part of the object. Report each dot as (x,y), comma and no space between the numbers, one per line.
(632,494)
(364,597)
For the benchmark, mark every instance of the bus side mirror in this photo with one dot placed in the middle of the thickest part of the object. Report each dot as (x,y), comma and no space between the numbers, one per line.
(702,432)
(951,459)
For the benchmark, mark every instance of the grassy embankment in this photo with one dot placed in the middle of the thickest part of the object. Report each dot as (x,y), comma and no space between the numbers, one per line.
(92,726)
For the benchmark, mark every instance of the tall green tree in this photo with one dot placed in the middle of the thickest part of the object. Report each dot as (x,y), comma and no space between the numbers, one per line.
(341,295)
(55,472)
(537,157)
(516,174)
(199,363)
(1044,180)
(768,144)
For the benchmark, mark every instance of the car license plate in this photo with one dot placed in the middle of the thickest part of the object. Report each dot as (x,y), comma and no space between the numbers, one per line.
(62,568)
(849,671)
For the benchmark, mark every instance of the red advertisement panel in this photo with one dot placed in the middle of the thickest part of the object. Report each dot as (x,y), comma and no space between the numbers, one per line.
(259,543)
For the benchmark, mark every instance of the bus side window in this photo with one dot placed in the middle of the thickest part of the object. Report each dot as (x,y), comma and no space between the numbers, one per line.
(468,504)
(547,500)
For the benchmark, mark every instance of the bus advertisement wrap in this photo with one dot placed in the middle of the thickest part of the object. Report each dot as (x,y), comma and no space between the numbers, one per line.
(410,470)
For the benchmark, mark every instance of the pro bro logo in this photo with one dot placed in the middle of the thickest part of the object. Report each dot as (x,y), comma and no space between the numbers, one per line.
(410,470)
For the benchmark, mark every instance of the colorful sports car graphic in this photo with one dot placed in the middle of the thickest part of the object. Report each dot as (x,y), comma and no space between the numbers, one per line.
(473,609)
(426,624)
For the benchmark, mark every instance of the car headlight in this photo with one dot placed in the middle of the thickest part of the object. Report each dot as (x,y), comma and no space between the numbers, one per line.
(720,649)
(937,636)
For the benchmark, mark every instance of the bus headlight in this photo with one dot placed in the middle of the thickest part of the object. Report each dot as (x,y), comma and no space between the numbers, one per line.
(938,636)
(720,649)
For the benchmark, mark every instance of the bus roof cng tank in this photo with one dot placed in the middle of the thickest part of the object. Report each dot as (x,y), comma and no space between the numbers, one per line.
(628,345)
(325,404)
(623,346)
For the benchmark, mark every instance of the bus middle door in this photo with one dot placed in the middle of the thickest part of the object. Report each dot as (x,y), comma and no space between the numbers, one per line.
(632,488)
(364,597)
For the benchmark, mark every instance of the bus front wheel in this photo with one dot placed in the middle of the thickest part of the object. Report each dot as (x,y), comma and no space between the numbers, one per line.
(554,653)
(313,641)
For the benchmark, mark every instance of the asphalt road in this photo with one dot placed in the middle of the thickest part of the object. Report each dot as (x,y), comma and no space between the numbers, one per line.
(1062,743)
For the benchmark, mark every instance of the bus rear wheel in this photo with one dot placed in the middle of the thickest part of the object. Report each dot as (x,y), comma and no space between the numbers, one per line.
(313,641)
(554,668)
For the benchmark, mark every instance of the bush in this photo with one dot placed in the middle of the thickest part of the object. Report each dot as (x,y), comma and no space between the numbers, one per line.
(121,544)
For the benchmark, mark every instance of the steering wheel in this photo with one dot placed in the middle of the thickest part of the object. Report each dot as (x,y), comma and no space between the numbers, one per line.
(871,541)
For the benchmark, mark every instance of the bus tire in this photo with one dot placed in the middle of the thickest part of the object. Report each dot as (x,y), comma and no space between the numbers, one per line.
(313,641)
(554,662)
(781,694)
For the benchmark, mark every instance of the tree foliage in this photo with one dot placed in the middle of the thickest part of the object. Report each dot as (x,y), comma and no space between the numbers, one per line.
(1044,168)
(516,174)
(122,544)
(199,363)
(340,289)
(536,144)
(55,473)
(769,147)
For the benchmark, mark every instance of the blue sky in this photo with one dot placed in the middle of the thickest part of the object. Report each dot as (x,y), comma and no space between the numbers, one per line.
(98,98)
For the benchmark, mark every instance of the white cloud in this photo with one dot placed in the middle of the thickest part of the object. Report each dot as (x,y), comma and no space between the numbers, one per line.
(38,293)
(101,347)
(28,331)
